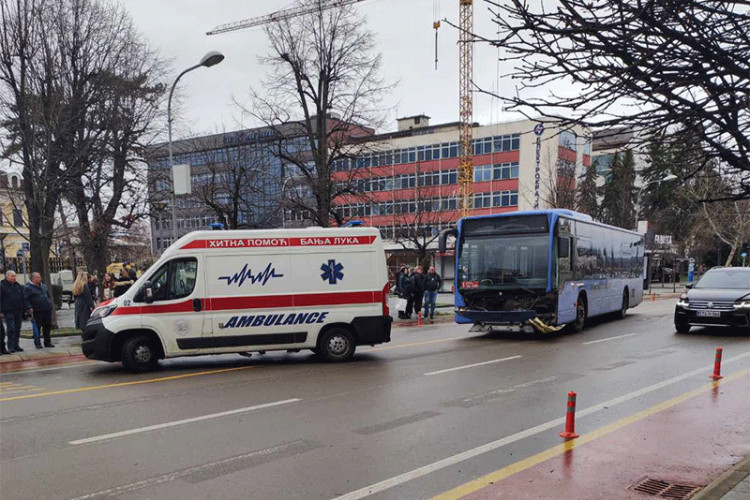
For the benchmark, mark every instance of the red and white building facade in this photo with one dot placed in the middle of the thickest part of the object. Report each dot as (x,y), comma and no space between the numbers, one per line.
(409,178)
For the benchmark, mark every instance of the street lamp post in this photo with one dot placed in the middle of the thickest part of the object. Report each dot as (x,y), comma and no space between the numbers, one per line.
(211,59)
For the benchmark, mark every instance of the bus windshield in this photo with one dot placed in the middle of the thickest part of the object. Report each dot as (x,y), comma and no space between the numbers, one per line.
(504,262)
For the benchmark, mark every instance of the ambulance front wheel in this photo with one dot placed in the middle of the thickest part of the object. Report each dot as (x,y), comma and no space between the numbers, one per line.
(139,354)
(336,345)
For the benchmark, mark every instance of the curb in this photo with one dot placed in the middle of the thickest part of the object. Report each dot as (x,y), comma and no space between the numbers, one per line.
(726,482)
(35,356)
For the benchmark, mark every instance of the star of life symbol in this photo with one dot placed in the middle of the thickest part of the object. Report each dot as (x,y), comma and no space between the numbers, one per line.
(332,271)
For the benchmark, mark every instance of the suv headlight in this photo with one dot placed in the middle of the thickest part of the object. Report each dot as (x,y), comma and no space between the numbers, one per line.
(683,301)
(104,311)
(742,304)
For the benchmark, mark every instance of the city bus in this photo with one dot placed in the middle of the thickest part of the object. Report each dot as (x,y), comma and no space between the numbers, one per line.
(541,270)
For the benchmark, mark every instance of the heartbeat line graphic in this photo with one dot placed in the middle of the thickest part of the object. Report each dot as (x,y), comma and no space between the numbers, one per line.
(247,274)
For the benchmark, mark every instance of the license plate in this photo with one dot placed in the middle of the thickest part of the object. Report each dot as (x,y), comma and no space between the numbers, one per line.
(709,314)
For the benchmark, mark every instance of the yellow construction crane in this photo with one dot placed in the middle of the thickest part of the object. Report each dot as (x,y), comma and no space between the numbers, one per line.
(465,64)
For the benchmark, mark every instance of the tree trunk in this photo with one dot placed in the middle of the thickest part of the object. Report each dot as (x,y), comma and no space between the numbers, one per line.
(730,258)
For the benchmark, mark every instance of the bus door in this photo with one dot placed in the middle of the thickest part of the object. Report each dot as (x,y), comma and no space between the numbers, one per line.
(566,286)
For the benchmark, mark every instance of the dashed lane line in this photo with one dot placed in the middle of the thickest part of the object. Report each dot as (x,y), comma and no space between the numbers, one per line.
(473,365)
(175,423)
(609,338)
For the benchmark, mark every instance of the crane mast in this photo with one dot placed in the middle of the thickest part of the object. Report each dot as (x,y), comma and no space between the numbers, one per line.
(465,105)
(465,65)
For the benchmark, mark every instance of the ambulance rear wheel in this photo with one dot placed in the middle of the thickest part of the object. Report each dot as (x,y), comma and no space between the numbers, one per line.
(336,345)
(139,354)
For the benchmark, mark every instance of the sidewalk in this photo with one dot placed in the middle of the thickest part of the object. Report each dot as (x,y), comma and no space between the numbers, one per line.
(694,446)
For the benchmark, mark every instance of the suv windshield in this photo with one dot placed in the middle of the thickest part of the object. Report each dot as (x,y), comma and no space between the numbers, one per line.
(504,262)
(733,279)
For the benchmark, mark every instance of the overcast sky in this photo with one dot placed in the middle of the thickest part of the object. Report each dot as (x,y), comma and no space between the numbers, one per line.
(404,36)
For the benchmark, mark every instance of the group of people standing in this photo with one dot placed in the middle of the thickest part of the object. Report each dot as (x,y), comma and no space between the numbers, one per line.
(414,286)
(33,301)
(21,302)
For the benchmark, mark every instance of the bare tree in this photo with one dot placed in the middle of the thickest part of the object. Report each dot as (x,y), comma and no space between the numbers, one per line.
(324,80)
(78,97)
(654,66)
(108,195)
(559,181)
(729,220)
(237,184)
(418,221)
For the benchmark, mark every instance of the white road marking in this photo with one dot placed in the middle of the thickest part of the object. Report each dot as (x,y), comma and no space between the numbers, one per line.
(166,478)
(610,338)
(460,457)
(181,422)
(471,366)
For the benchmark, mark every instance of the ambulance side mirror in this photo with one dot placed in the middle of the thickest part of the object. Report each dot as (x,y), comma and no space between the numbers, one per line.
(147,292)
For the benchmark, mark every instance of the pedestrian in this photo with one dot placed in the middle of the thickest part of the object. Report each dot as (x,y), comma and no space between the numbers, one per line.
(432,283)
(123,283)
(91,283)
(133,273)
(84,300)
(409,293)
(418,289)
(12,307)
(38,304)
(403,275)
(108,286)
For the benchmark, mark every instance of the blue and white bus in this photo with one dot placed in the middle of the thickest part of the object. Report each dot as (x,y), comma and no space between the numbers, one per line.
(543,269)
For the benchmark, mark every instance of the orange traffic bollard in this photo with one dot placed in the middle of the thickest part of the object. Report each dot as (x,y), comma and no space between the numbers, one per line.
(717,365)
(419,319)
(653,296)
(570,418)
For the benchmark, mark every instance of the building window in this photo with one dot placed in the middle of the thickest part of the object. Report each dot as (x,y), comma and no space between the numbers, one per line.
(449,176)
(505,171)
(505,198)
(482,200)
(482,173)
(17,217)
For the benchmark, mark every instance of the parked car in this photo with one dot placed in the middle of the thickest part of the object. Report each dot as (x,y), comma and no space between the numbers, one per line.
(720,298)
(65,280)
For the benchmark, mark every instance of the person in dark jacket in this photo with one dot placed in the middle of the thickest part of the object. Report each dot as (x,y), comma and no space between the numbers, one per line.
(418,289)
(12,307)
(37,302)
(84,300)
(401,284)
(409,293)
(91,283)
(432,282)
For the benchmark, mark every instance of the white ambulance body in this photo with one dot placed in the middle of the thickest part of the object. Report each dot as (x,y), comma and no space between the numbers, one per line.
(215,292)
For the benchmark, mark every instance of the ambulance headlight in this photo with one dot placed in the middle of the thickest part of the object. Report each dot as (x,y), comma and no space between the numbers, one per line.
(103,312)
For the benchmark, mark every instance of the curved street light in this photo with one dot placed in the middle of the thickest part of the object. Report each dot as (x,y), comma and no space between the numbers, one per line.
(210,59)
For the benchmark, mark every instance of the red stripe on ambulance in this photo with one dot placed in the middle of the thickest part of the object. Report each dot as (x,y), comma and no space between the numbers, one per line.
(313,241)
(259,302)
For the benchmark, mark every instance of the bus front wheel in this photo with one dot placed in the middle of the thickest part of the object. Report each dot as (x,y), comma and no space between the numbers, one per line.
(580,320)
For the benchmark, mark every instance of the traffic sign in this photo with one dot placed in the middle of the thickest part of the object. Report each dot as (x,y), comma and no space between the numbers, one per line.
(539,129)
(25,246)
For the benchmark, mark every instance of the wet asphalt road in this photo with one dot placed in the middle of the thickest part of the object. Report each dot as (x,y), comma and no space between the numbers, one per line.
(403,420)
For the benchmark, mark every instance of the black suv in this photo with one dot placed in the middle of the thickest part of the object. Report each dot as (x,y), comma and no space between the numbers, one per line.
(720,298)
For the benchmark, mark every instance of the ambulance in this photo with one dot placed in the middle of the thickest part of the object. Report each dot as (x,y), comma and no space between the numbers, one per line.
(217,292)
